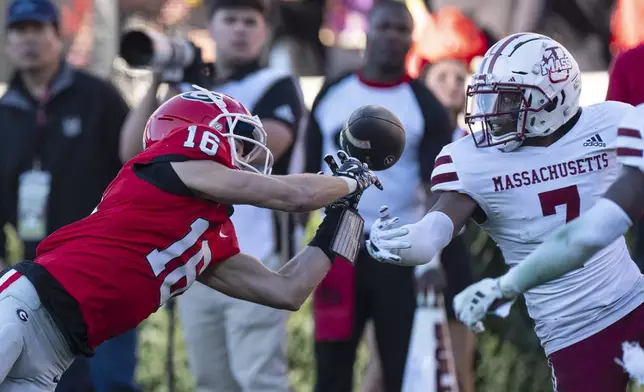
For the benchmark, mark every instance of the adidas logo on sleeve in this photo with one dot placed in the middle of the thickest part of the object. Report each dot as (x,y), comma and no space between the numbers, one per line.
(595,141)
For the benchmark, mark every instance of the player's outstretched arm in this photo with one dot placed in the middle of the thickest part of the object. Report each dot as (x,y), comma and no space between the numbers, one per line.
(223,185)
(245,277)
(418,243)
(572,245)
(291,193)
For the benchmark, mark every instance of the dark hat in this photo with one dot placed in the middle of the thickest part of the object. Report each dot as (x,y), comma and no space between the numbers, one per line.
(32,11)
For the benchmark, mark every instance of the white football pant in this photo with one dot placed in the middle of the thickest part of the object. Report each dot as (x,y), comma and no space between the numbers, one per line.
(33,352)
(233,345)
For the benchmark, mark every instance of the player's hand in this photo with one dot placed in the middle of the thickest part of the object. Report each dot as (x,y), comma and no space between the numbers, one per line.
(476,301)
(354,169)
(385,238)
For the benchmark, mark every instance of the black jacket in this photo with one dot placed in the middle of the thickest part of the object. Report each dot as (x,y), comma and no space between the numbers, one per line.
(77,142)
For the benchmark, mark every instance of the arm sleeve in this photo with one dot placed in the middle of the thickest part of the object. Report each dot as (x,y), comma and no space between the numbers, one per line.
(116,110)
(313,137)
(282,102)
(437,132)
(313,145)
(617,83)
(568,248)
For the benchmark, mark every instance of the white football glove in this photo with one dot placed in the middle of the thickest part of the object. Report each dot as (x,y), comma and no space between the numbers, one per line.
(473,304)
(382,243)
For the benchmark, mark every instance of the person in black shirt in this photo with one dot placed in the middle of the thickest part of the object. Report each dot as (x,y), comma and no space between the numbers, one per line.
(377,292)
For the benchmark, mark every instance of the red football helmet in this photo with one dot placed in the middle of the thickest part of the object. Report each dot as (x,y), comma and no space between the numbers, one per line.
(220,112)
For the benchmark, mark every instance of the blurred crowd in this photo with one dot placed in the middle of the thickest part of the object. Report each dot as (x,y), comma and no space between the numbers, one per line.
(74,111)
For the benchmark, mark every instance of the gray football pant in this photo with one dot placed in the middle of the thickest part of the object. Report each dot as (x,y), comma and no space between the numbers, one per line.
(233,345)
(33,352)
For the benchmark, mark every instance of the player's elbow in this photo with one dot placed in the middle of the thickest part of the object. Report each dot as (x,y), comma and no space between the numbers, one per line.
(296,293)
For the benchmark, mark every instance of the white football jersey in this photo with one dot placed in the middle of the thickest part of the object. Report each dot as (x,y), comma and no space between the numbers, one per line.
(527,194)
(630,139)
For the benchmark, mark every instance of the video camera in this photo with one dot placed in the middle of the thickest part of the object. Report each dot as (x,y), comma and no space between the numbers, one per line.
(179,59)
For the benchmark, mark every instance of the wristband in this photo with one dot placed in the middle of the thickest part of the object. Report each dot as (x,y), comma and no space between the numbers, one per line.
(353,184)
(340,233)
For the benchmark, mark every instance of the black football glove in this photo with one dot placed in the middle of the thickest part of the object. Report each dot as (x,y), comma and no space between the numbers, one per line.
(354,169)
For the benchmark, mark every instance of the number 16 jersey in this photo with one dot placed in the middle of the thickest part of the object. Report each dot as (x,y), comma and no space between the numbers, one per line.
(530,192)
(148,239)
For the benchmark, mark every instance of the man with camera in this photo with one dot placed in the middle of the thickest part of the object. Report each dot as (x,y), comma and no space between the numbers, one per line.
(348,300)
(235,345)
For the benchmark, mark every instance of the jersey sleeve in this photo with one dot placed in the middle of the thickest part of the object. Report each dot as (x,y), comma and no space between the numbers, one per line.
(445,176)
(283,103)
(630,139)
(224,243)
(194,142)
(448,174)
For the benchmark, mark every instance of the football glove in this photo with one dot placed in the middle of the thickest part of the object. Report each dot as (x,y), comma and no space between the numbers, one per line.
(476,301)
(354,169)
(381,244)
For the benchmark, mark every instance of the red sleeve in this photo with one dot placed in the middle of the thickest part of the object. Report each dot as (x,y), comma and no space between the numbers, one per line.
(617,83)
(194,142)
(223,242)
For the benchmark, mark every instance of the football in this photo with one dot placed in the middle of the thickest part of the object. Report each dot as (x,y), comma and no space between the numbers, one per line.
(375,136)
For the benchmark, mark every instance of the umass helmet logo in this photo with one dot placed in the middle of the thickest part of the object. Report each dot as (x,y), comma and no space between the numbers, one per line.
(556,64)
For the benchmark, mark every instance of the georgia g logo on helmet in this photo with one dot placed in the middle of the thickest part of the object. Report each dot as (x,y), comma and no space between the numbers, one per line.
(201,96)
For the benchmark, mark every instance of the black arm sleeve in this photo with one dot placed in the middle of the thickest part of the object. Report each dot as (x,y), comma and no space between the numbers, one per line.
(282,102)
(313,137)
(438,131)
(313,145)
(116,110)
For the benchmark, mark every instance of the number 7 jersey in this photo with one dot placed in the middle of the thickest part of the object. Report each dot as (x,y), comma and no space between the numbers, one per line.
(530,192)
(148,239)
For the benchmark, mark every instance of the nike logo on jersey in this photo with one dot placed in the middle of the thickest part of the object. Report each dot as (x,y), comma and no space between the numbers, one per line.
(595,141)
(222,235)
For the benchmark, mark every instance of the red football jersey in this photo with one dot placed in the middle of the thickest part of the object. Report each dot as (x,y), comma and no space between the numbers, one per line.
(142,245)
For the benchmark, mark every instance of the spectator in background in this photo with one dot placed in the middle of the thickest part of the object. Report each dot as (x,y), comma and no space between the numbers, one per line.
(234,345)
(60,137)
(443,51)
(347,298)
(446,79)
(626,84)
